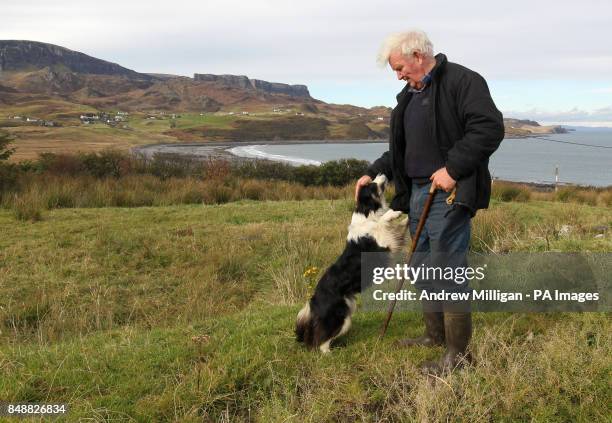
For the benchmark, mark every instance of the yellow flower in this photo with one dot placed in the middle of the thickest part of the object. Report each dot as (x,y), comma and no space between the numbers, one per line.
(311,271)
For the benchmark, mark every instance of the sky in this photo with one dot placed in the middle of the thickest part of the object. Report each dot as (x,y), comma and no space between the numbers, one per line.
(545,60)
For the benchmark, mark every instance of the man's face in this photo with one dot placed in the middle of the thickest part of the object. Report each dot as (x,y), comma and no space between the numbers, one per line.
(408,68)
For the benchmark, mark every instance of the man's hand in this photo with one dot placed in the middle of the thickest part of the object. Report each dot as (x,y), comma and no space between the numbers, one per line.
(441,179)
(361,182)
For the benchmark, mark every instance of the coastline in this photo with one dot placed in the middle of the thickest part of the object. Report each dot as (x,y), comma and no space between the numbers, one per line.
(216,149)
(220,150)
(230,144)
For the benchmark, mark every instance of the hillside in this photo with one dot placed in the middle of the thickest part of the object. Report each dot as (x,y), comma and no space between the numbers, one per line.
(34,68)
(51,86)
(523,127)
(20,56)
(117,316)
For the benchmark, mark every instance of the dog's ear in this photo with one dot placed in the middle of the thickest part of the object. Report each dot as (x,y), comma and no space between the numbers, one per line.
(364,192)
(368,200)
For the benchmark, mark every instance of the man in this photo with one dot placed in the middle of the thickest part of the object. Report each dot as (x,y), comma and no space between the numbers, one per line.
(442,132)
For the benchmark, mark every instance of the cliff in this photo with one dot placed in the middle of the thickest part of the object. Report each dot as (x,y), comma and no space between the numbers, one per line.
(244,82)
(32,55)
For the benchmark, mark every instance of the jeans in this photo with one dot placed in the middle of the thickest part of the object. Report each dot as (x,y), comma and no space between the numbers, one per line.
(444,241)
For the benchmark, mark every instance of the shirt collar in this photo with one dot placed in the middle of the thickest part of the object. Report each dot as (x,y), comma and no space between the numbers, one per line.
(425,80)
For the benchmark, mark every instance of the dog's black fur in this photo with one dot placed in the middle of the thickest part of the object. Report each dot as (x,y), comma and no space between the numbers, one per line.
(328,313)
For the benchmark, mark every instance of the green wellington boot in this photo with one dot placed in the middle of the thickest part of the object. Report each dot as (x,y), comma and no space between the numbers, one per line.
(434,331)
(458,331)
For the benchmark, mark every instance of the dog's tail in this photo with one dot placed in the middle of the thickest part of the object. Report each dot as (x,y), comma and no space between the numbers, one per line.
(303,327)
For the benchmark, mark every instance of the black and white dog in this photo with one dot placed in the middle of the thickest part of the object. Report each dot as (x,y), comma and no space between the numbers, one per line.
(374,228)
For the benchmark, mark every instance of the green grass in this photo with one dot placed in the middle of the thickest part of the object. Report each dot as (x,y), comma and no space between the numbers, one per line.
(46,109)
(185,313)
(188,120)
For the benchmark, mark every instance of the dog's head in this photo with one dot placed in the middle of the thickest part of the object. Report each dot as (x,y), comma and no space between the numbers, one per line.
(371,197)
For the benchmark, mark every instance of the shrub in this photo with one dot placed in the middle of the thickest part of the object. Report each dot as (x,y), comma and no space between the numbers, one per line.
(335,172)
(306,175)
(59,164)
(219,194)
(27,208)
(341,172)
(252,190)
(216,169)
(577,195)
(605,197)
(5,151)
(192,196)
(507,192)
(106,163)
(60,196)
(166,166)
(262,170)
(9,174)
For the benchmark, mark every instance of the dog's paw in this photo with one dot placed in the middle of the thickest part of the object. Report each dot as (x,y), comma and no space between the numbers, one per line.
(324,348)
(391,215)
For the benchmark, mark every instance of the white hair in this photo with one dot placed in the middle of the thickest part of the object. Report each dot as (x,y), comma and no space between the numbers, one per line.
(407,43)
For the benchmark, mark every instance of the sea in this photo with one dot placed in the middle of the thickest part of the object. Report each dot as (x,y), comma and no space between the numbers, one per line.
(583,156)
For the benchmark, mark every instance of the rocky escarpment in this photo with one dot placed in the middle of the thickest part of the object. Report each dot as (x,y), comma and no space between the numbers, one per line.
(244,82)
(520,128)
(32,55)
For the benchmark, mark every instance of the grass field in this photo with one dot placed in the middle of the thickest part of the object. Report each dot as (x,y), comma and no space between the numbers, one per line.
(185,313)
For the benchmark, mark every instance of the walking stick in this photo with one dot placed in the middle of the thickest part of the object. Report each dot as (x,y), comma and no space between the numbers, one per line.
(415,240)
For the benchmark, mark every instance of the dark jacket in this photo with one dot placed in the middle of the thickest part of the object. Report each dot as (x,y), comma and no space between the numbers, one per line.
(467,128)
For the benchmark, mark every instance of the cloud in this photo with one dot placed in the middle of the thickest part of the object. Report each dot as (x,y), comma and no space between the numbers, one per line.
(525,38)
(321,42)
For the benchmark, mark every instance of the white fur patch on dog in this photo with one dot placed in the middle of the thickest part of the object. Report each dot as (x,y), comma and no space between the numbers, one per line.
(304,313)
(380,179)
(380,226)
(352,305)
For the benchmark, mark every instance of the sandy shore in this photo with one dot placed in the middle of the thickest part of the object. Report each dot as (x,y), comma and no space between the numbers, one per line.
(218,150)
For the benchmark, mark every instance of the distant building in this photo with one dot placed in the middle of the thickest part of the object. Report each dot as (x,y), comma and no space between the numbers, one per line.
(89,117)
(380,118)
